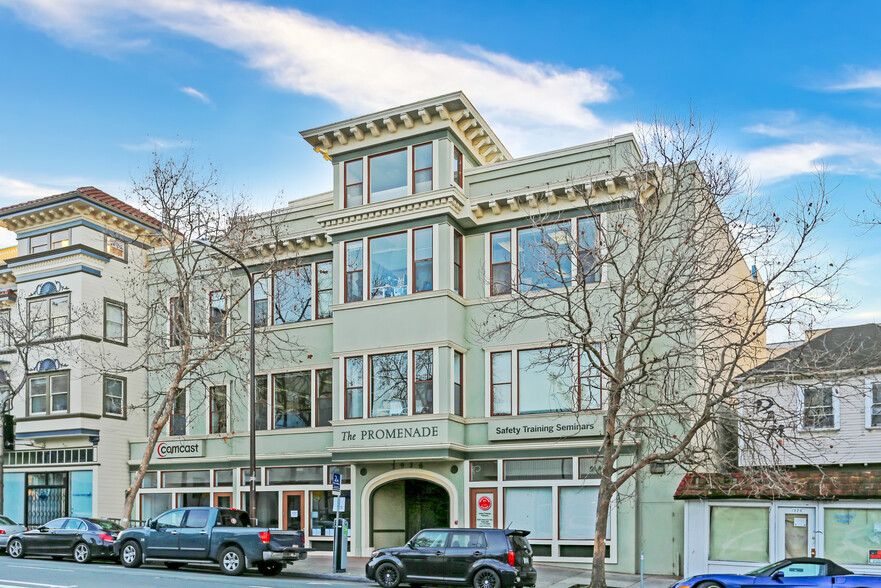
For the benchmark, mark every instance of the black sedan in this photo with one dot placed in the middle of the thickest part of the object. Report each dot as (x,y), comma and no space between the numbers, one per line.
(79,538)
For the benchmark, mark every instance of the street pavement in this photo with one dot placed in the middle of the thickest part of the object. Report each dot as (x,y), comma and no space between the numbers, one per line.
(47,573)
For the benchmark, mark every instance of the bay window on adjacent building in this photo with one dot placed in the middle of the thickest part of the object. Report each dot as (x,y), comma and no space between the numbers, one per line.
(542,380)
(820,407)
(354,397)
(545,256)
(114,396)
(217,402)
(399,383)
(398,264)
(217,316)
(293,400)
(48,393)
(114,321)
(49,317)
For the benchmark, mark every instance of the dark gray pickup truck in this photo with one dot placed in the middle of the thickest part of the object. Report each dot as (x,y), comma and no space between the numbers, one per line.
(204,535)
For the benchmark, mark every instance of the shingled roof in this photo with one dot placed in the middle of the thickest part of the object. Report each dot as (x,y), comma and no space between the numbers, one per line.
(800,484)
(839,349)
(87,193)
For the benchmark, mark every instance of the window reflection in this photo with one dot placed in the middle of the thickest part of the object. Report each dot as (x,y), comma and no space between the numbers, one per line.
(543,256)
(388,266)
(388,176)
(388,384)
(293,295)
(293,400)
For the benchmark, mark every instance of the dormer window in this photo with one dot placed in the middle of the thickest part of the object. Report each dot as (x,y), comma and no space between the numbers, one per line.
(389,175)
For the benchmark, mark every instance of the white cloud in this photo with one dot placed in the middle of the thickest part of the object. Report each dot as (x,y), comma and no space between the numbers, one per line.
(859,79)
(358,70)
(153,144)
(14,190)
(196,94)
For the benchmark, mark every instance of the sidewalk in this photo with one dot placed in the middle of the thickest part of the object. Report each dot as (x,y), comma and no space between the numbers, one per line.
(321,567)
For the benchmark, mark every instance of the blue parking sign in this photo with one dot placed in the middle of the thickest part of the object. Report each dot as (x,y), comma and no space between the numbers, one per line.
(335,481)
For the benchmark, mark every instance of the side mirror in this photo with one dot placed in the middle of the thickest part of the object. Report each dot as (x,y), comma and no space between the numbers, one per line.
(410,544)
(778,576)
(151,523)
(43,530)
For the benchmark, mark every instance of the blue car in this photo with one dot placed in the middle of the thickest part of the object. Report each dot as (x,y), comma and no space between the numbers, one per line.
(797,572)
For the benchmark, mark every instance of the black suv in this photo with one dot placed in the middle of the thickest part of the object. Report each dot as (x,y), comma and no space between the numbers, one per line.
(484,558)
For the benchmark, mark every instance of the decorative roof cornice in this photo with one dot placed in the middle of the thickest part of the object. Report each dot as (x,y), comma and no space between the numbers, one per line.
(453,111)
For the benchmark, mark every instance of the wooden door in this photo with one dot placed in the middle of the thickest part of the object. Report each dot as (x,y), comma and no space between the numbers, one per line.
(223,499)
(484,508)
(294,511)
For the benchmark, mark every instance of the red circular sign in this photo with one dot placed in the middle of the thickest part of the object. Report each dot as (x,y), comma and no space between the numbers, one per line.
(485,503)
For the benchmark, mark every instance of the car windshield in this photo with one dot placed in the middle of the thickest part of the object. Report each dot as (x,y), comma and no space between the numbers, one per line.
(763,571)
(105,525)
(5,521)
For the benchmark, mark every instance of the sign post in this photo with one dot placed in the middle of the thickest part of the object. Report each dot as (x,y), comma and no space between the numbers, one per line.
(340,527)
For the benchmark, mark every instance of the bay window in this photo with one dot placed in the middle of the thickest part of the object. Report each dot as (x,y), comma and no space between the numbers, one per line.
(422,260)
(422,168)
(458,246)
(323,289)
(178,420)
(500,262)
(399,383)
(176,322)
(39,243)
(458,170)
(458,397)
(387,175)
(261,404)
(323,398)
(388,265)
(354,183)
(113,245)
(543,259)
(354,271)
(293,400)
(423,382)
(261,301)
(590,389)
(61,239)
(292,295)
(587,248)
(500,383)
(354,397)
(388,384)
(48,393)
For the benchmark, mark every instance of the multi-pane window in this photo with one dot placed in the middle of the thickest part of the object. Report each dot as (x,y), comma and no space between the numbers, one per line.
(388,175)
(216,316)
(458,398)
(458,244)
(500,382)
(39,243)
(54,240)
(114,396)
(422,168)
(354,183)
(388,384)
(457,167)
(587,249)
(177,323)
(292,295)
(388,265)
(48,393)
(323,289)
(422,260)
(178,419)
(60,239)
(293,400)
(423,381)
(114,321)
(218,409)
(354,271)
(50,317)
(819,409)
(874,408)
(114,246)
(261,411)
(324,398)
(354,387)
(500,263)
(261,300)
(543,257)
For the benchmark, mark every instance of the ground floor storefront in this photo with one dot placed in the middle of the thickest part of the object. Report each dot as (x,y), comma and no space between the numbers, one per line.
(837,517)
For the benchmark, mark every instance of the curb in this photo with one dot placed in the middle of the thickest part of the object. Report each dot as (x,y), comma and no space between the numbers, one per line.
(337,577)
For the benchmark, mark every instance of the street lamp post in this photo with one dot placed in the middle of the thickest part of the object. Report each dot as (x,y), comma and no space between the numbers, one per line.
(252,462)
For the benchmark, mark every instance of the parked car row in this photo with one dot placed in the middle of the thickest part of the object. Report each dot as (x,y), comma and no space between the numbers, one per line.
(176,538)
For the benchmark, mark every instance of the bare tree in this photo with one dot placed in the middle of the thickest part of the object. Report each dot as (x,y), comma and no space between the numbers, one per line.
(654,315)
(187,305)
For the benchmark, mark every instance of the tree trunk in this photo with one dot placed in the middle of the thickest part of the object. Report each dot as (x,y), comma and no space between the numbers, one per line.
(604,501)
(159,421)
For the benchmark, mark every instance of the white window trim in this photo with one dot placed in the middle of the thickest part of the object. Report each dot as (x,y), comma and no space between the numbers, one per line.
(226,386)
(869,399)
(836,413)
(124,381)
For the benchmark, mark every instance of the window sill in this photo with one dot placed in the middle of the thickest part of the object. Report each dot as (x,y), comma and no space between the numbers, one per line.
(392,299)
(301,324)
(819,429)
(398,419)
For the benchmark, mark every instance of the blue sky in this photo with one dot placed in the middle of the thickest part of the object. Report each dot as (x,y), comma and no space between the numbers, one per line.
(89,87)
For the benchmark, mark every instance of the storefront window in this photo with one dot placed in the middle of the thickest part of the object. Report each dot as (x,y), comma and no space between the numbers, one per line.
(267,508)
(848,534)
(223,477)
(153,505)
(388,266)
(323,514)
(345,473)
(151,480)
(538,469)
(530,509)
(293,400)
(544,380)
(578,513)
(192,499)
(388,384)
(739,534)
(186,479)
(294,475)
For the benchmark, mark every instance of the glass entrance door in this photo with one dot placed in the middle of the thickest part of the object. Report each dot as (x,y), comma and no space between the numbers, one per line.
(293,510)
(796,532)
(47,497)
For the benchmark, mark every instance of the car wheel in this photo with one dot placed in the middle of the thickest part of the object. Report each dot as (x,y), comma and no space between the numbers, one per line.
(82,553)
(487,578)
(269,568)
(388,576)
(232,561)
(15,549)
(709,585)
(174,565)
(130,554)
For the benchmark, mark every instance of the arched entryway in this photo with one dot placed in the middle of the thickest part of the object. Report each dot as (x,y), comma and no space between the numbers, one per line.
(401,508)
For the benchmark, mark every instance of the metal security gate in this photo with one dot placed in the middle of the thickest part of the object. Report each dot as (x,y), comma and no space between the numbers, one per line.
(46,496)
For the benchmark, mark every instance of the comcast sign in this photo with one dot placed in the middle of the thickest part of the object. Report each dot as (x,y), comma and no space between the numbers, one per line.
(178,449)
